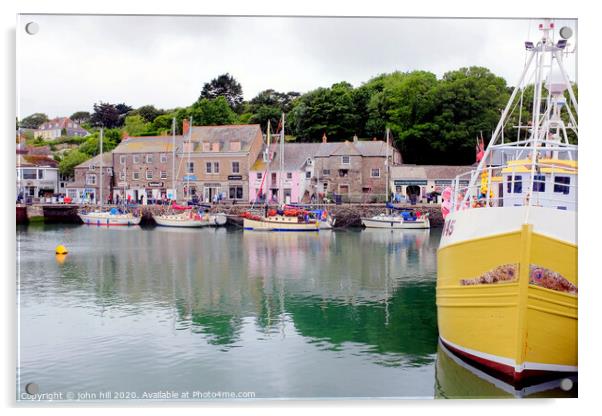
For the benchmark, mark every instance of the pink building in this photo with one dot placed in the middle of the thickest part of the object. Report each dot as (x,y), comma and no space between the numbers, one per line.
(292,184)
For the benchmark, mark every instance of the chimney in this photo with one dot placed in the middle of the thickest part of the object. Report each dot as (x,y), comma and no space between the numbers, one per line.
(185,126)
(355,139)
(324,139)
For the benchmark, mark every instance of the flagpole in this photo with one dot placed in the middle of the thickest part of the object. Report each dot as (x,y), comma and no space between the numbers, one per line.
(173,160)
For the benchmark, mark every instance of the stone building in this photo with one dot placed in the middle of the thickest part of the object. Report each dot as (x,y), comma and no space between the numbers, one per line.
(355,170)
(85,187)
(144,168)
(215,161)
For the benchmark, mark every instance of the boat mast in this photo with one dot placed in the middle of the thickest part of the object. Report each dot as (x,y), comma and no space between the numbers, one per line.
(173,159)
(280,189)
(101,166)
(188,163)
(387,169)
(268,181)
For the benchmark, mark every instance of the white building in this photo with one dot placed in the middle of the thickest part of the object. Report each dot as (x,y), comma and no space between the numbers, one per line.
(37,178)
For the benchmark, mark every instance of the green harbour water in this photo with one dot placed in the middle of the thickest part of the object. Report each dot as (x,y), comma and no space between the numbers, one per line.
(142,311)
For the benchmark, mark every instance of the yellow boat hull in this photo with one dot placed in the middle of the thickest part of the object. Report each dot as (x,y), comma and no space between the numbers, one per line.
(508,302)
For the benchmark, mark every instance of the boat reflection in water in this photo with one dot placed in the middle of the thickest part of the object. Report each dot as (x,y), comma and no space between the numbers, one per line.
(456,378)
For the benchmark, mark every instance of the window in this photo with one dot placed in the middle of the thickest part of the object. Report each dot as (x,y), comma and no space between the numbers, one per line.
(122,159)
(539,183)
(209,167)
(149,158)
(289,175)
(136,159)
(287,193)
(259,175)
(206,147)
(375,173)
(189,167)
(307,175)
(325,186)
(29,174)
(366,189)
(40,174)
(110,171)
(518,184)
(345,160)
(163,174)
(149,174)
(326,172)
(135,175)
(562,184)
(235,167)
(215,167)
(236,192)
(90,179)
(274,177)
(343,173)
(122,176)
(163,158)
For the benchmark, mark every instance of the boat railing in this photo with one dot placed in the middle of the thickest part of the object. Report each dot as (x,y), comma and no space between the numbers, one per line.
(515,185)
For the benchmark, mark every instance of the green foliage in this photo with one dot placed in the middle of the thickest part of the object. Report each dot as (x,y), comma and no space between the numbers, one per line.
(148,113)
(91,146)
(33,121)
(269,105)
(163,124)
(225,86)
(70,160)
(80,117)
(214,112)
(325,110)
(136,126)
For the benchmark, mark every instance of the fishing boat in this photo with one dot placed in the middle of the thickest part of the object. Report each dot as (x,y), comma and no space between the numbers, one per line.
(114,216)
(398,219)
(507,290)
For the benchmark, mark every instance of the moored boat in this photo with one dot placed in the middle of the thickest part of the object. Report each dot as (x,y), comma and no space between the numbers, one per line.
(507,290)
(398,221)
(281,220)
(113,217)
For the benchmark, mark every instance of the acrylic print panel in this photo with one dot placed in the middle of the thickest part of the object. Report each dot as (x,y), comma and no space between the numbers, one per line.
(242,208)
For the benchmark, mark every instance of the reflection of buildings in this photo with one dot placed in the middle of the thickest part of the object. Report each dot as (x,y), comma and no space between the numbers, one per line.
(348,287)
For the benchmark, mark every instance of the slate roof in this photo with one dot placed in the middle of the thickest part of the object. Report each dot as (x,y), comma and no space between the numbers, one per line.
(107,161)
(147,144)
(36,160)
(295,156)
(429,172)
(348,148)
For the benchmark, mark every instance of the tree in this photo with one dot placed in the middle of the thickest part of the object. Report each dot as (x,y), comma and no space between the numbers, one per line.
(269,105)
(468,101)
(148,112)
(225,86)
(33,121)
(71,159)
(80,117)
(136,126)
(106,115)
(325,110)
(91,146)
(214,112)
(163,123)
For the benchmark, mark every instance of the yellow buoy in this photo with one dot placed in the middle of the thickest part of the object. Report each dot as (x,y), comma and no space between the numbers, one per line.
(60,258)
(60,249)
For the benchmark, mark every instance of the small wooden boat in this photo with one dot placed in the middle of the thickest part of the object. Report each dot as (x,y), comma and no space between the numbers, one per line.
(281,220)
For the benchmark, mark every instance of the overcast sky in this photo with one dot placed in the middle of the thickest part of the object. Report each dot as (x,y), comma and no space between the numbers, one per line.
(75,61)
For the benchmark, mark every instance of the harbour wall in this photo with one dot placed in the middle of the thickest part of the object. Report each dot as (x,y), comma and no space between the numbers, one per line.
(347,215)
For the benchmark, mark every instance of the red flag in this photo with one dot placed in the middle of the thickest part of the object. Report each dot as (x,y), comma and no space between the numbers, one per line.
(480,149)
